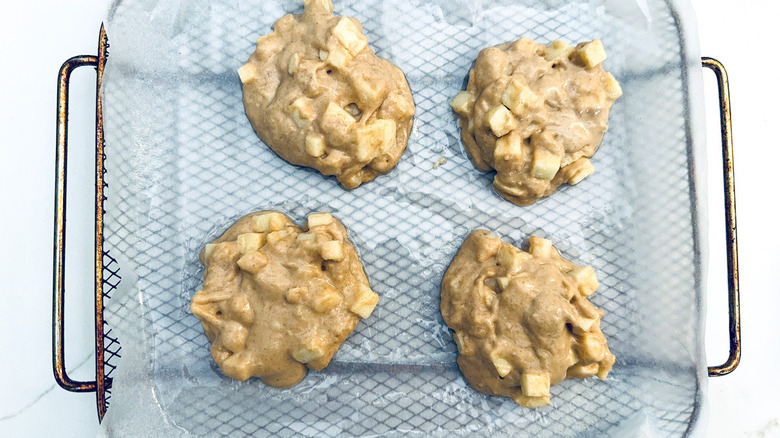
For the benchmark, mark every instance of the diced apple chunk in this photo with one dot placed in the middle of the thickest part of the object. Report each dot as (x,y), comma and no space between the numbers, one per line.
(535,384)
(367,91)
(612,87)
(337,117)
(295,295)
(315,145)
(306,238)
(332,250)
(253,262)
(318,219)
(326,299)
(365,301)
(349,35)
(377,136)
(275,237)
(558,49)
(503,282)
(301,112)
(545,164)
(579,170)
(531,402)
(488,247)
(500,120)
(308,353)
(338,56)
(518,97)
(249,242)
(269,221)
(503,367)
(508,148)
(539,247)
(587,283)
(583,325)
(292,66)
(507,254)
(591,348)
(592,53)
(462,103)
(247,73)
(208,250)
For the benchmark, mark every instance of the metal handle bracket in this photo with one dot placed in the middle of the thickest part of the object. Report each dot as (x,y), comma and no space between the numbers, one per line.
(60,188)
(735,333)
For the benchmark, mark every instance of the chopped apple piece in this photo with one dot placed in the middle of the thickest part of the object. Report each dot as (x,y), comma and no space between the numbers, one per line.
(580,371)
(368,91)
(587,283)
(332,250)
(535,385)
(233,336)
(247,73)
(508,147)
(500,120)
(545,164)
(531,402)
(249,242)
(591,348)
(592,53)
(308,353)
(326,299)
(315,145)
(348,33)
(295,295)
(579,170)
(518,97)
(336,117)
(253,262)
(558,49)
(613,87)
(337,57)
(539,247)
(583,325)
(208,250)
(503,282)
(274,237)
(292,66)
(365,301)
(306,238)
(462,103)
(503,367)
(376,136)
(270,221)
(301,112)
(318,219)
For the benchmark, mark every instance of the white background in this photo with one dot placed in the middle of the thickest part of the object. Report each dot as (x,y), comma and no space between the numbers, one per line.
(37,36)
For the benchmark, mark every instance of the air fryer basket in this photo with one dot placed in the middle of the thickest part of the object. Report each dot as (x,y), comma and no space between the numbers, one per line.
(181,163)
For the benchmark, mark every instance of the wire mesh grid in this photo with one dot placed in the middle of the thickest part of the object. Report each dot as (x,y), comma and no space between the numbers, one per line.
(184,163)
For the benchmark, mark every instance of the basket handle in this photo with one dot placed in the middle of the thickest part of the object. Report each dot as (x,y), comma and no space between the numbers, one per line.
(60,185)
(735,332)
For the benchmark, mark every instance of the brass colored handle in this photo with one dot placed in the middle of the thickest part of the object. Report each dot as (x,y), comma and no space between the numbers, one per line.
(60,185)
(100,383)
(735,333)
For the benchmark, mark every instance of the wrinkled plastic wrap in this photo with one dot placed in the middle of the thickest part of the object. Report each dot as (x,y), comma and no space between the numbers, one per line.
(183,163)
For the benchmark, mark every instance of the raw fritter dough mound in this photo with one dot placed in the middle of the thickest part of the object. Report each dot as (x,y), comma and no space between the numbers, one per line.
(317,94)
(277,299)
(522,321)
(536,114)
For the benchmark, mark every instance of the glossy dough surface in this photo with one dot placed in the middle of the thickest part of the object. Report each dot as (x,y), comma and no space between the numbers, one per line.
(317,94)
(278,299)
(522,320)
(535,114)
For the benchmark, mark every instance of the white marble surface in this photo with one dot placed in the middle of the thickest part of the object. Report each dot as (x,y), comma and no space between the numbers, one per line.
(37,36)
